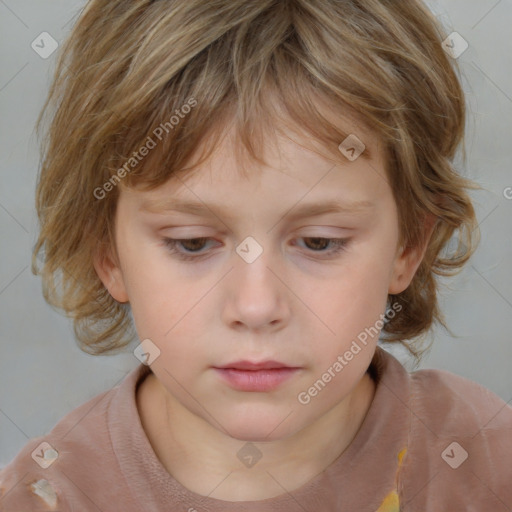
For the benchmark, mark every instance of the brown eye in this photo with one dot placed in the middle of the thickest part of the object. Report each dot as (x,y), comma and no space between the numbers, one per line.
(191,244)
(190,247)
(318,244)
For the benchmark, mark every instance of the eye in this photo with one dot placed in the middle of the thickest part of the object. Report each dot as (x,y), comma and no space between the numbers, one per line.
(192,246)
(172,244)
(319,244)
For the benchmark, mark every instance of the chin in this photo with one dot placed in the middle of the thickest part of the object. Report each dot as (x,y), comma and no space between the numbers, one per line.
(254,434)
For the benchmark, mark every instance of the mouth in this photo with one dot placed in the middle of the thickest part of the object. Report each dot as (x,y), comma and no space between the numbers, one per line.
(256,377)
(255,366)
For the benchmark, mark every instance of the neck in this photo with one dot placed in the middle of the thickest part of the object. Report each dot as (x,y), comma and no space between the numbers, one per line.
(204,459)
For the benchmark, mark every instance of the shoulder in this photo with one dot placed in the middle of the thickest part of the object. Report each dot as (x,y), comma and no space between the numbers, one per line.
(449,398)
(44,473)
(460,442)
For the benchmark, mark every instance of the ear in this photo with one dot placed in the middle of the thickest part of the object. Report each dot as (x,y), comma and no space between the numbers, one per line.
(409,259)
(109,271)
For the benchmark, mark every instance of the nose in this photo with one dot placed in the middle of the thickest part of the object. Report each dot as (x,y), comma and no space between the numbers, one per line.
(257,297)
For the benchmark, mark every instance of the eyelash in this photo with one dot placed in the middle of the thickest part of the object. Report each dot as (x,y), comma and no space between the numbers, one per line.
(171,243)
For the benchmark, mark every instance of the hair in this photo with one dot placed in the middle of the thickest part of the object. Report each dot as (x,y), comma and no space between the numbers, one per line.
(128,68)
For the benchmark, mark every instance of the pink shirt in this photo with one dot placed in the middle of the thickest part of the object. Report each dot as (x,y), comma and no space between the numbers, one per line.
(431,441)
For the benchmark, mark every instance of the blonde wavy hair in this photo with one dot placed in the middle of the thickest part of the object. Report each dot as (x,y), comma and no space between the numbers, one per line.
(128,66)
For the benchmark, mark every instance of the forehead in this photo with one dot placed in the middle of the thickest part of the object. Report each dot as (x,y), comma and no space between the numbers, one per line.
(297,165)
(278,128)
(297,182)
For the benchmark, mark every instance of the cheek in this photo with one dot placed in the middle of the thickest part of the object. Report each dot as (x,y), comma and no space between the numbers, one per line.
(353,301)
(168,305)
(156,298)
(171,311)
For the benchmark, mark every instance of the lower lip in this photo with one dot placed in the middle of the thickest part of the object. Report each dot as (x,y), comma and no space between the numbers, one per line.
(258,380)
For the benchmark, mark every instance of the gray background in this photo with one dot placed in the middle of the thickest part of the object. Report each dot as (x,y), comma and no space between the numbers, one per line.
(43,375)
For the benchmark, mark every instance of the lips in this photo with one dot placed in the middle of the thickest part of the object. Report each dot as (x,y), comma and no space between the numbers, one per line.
(261,376)
(250,366)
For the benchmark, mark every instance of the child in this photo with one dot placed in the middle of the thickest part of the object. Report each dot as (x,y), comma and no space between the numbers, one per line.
(264,188)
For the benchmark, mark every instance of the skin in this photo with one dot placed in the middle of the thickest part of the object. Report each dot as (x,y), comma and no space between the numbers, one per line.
(294,303)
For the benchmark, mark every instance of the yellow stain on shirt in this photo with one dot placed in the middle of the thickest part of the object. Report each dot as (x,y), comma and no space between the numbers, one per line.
(401,456)
(391,502)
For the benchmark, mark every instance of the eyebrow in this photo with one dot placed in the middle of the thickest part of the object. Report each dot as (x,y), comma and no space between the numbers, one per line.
(302,210)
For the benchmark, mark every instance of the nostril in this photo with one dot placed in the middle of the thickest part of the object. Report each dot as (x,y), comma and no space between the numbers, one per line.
(45,491)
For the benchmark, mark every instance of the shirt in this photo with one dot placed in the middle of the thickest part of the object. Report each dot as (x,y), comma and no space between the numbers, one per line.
(430,441)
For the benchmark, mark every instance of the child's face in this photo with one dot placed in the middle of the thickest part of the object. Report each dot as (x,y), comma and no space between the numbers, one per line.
(298,302)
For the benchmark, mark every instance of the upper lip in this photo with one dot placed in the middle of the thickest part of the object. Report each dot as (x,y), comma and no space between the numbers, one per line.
(248,365)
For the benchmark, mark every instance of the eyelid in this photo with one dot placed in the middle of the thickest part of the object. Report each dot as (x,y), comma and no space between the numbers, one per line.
(340,244)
